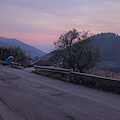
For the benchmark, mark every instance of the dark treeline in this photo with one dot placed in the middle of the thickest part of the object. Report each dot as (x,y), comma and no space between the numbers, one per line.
(18,54)
(74,50)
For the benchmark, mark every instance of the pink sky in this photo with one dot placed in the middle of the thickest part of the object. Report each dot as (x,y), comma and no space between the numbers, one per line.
(40,22)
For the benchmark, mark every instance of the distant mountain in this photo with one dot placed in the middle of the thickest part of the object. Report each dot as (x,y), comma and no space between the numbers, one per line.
(14,42)
(46,48)
(109,44)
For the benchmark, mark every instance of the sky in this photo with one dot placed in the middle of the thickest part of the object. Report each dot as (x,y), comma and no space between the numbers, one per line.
(41,22)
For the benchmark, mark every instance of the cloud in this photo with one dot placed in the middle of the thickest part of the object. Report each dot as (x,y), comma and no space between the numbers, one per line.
(53,17)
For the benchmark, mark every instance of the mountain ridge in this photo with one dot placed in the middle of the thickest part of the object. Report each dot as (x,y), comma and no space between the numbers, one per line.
(11,42)
(109,45)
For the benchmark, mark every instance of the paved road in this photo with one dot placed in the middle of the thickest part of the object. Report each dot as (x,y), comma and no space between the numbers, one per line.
(28,96)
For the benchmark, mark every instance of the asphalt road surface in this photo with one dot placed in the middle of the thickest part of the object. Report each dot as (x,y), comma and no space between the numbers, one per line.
(28,96)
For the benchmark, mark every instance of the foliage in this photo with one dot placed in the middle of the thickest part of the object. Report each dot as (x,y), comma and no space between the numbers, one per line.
(74,50)
(18,54)
(43,63)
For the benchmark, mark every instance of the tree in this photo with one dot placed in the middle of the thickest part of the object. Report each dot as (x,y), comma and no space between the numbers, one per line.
(75,50)
(63,48)
(18,54)
(67,40)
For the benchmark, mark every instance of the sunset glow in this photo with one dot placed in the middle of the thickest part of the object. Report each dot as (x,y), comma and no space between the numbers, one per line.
(40,22)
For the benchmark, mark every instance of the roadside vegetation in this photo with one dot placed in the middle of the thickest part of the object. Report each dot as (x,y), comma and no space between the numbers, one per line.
(19,55)
(74,50)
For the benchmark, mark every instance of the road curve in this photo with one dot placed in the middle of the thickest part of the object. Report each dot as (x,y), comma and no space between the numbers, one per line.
(28,96)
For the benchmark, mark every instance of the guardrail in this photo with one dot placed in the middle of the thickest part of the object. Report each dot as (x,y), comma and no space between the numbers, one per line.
(2,62)
(14,64)
(52,69)
(93,81)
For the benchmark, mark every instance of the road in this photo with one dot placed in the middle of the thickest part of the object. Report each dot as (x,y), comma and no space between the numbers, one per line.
(28,96)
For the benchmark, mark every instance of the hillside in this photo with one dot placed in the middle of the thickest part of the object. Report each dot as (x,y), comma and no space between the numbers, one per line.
(14,42)
(109,45)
